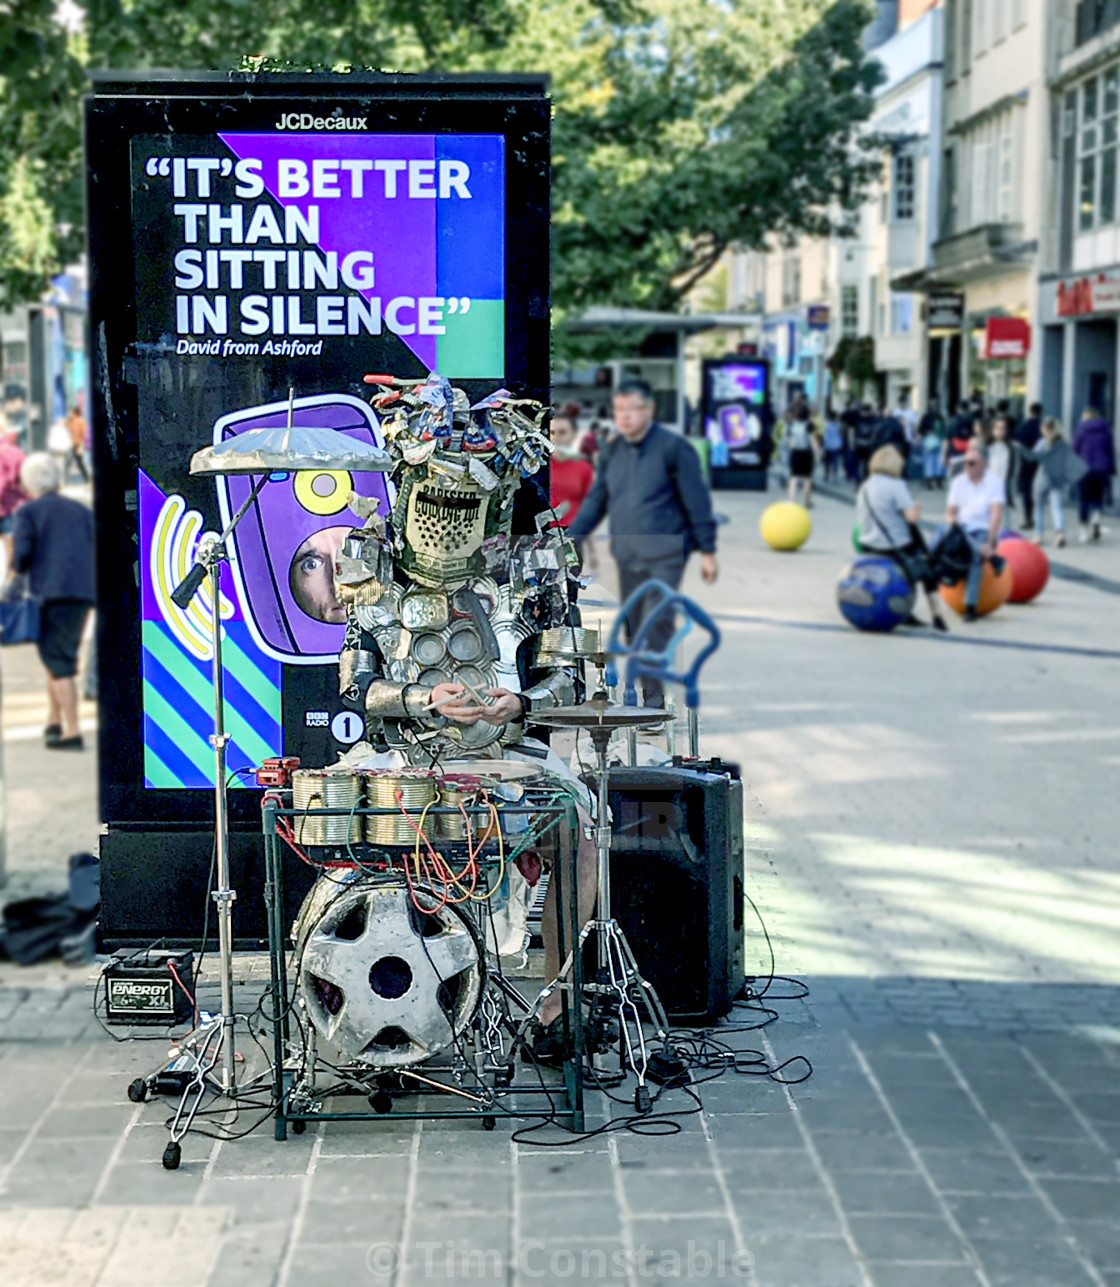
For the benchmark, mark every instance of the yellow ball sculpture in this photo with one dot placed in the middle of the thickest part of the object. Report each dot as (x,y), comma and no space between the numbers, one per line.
(785,525)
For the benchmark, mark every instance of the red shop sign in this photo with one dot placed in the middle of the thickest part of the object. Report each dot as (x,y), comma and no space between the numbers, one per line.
(1007,337)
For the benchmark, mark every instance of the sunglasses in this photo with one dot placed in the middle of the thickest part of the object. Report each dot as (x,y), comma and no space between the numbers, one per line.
(969,462)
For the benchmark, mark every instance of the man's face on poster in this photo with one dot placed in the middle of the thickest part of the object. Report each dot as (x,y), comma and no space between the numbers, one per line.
(311,575)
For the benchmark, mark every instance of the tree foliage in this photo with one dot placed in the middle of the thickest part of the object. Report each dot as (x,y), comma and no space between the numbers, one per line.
(679,129)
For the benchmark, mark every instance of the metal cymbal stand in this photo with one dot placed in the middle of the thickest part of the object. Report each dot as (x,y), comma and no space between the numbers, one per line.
(619,986)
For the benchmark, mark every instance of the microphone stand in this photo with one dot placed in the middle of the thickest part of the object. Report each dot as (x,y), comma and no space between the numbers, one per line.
(211,1062)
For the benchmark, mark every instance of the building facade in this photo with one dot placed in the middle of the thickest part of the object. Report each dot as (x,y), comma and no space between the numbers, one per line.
(995,158)
(1079,287)
(817,294)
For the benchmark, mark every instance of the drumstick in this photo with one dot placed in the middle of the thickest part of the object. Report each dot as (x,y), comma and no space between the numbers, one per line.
(455,697)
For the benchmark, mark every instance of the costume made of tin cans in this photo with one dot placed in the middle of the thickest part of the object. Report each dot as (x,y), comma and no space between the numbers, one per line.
(443,591)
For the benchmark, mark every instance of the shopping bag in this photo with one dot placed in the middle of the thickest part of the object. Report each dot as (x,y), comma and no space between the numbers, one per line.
(19,620)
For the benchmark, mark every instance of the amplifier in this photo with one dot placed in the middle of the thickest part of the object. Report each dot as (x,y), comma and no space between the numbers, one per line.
(677,881)
(145,989)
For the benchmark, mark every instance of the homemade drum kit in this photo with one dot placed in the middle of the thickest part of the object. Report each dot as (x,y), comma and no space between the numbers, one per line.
(396,987)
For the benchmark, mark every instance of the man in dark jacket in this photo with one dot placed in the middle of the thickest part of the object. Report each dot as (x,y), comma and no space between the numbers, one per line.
(53,542)
(1093,442)
(1026,436)
(650,482)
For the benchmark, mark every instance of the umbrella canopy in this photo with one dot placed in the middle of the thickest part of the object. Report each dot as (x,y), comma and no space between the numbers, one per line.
(289,447)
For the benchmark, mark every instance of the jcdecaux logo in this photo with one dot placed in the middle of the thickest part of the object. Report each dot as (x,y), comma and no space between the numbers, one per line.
(305,121)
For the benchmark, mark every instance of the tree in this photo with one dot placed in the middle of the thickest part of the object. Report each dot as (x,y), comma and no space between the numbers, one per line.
(41,79)
(679,129)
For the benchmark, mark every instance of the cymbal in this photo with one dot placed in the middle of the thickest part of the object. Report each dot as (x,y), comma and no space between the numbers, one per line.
(595,714)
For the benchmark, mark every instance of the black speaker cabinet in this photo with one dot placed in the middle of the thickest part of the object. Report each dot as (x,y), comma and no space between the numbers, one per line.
(677,882)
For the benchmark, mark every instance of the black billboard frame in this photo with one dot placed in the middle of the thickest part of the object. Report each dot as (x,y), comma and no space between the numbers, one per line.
(139,824)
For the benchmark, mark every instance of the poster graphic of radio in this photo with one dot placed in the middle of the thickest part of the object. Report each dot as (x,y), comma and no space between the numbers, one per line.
(278,603)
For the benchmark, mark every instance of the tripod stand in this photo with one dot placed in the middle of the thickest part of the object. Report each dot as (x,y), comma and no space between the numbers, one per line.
(619,987)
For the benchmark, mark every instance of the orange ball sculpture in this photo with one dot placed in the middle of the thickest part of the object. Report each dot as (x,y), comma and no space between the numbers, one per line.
(994,591)
(1030,569)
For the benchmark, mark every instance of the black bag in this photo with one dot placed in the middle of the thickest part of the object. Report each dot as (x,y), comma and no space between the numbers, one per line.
(952,556)
(915,559)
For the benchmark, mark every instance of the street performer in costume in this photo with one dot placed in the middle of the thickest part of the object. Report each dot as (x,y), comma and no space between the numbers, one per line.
(447,599)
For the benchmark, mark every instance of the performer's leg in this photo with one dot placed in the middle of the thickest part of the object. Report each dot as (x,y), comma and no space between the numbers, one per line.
(587,878)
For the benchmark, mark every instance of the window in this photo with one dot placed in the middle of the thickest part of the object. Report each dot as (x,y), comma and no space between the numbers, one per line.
(991,152)
(791,279)
(949,192)
(1097,139)
(951,41)
(902,314)
(1000,17)
(979,26)
(904,184)
(849,312)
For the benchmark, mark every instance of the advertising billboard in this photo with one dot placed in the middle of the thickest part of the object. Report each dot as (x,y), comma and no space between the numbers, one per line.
(736,411)
(258,245)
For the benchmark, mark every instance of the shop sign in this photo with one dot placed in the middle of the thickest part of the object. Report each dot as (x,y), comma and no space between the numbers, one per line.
(817,317)
(946,310)
(1100,294)
(1007,337)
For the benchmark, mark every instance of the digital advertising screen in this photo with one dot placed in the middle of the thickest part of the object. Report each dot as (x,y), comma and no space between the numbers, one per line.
(257,246)
(736,394)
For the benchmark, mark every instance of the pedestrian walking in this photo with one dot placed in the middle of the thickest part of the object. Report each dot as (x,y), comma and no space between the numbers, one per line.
(931,436)
(53,545)
(849,423)
(571,476)
(12,494)
(865,432)
(999,451)
(802,456)
(1026,439)
(1092,440)
(833,444)
(1056,468)
(78,428)
(961,433)
(650,482)
(888,517)
(976,501)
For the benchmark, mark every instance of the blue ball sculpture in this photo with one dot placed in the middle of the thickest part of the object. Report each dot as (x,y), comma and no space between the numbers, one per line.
(873,594)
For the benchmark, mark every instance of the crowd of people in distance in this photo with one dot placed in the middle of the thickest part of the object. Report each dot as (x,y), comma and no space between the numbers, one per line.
(1038,466)
(988,459)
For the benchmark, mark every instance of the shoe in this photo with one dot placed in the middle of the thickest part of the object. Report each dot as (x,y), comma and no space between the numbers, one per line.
(52,732)
(1028,526)
(1096,531)
(970,614)
(74,743)
(912,620)
(1083,536)
(1060,540)
(1038,539)
(548,1045)
(938,623)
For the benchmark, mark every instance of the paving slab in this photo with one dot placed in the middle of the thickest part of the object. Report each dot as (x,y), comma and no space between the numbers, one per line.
(959,936)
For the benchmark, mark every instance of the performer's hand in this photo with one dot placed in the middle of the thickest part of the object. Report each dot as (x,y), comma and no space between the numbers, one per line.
(463,709)
(709,568)
(506,706)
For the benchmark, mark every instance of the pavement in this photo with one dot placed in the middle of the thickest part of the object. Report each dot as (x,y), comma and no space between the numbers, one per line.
(931,846)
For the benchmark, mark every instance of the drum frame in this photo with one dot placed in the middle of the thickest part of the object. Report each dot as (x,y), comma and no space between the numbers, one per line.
(568,1095)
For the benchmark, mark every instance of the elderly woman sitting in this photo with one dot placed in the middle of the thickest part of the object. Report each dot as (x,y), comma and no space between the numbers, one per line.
(887,513)
(53,543)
